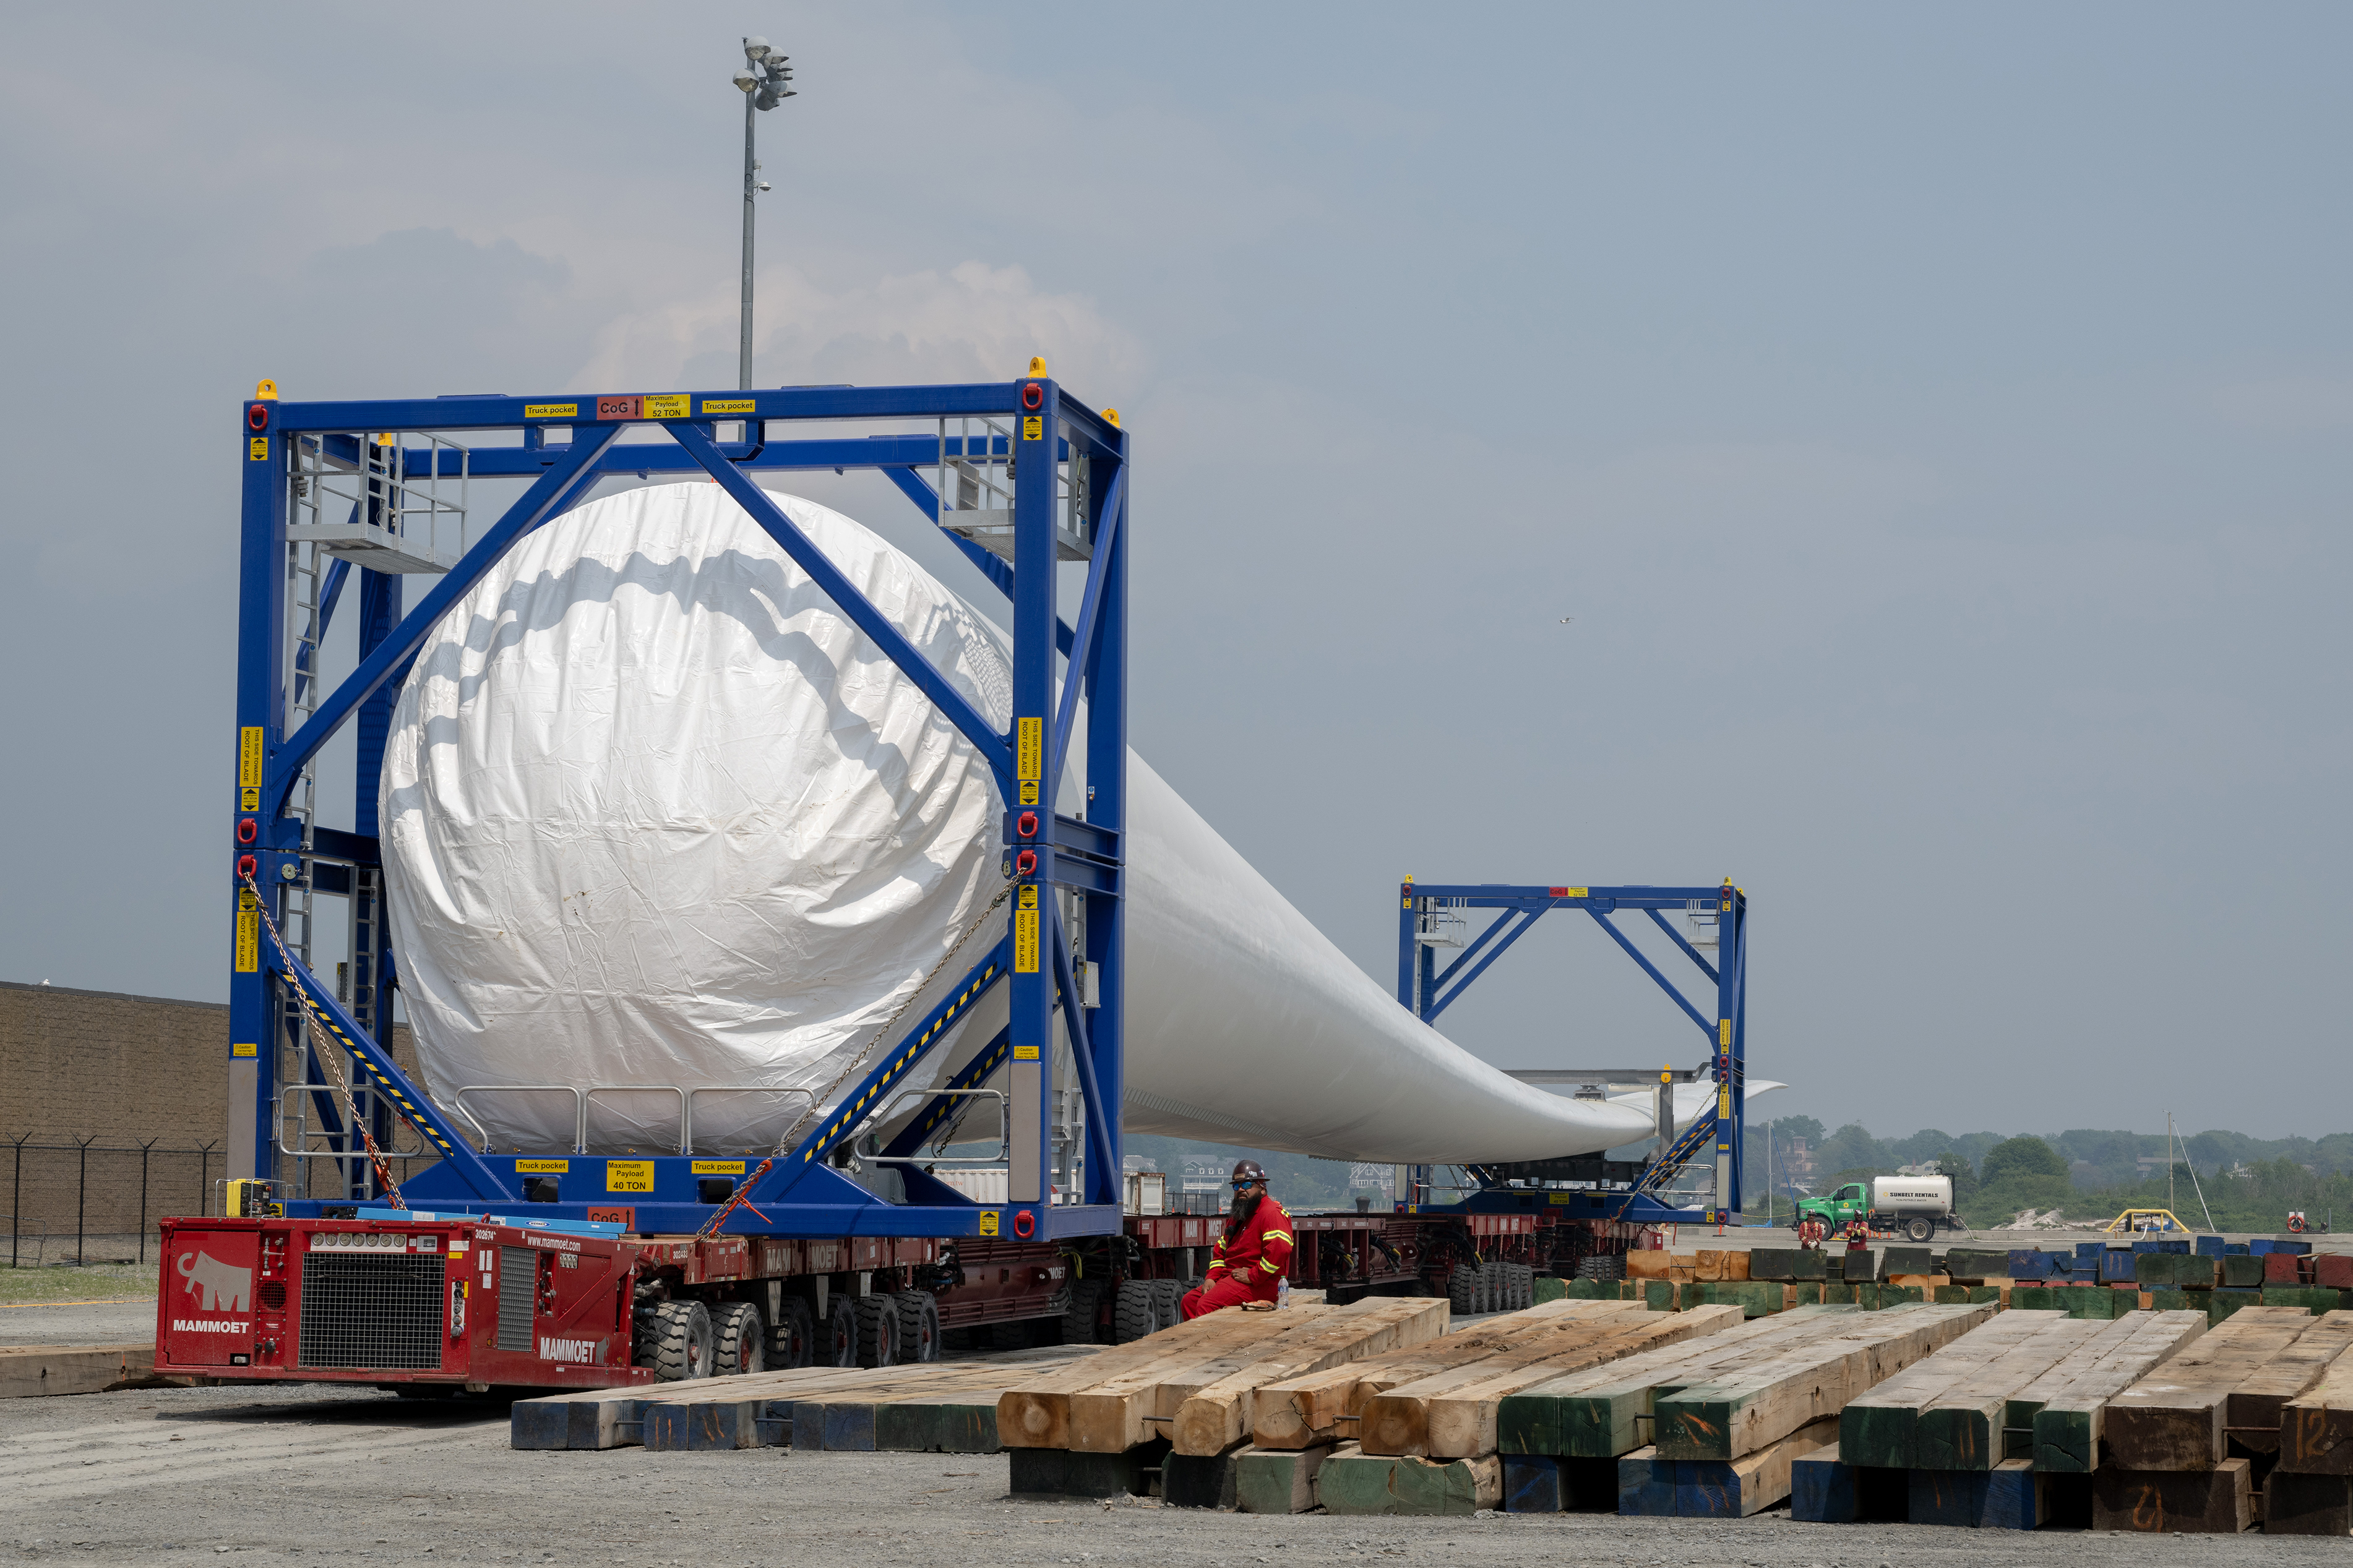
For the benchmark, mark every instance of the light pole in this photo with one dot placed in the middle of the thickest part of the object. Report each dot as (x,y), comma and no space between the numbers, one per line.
(765,79)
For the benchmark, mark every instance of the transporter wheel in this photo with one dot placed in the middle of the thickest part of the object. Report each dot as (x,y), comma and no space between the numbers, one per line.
(878,1330)
(1527,1276)
(1919,1230)
(836,1342)
(740,1338)
(792,1337)
(1167,1303)
(919,1325)
(1079,1317)
(1601,1266)
(1132,1313)
(1462,1291)
(675,1340)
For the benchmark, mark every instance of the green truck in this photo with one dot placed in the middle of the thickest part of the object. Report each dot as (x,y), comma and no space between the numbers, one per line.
(1915,1205)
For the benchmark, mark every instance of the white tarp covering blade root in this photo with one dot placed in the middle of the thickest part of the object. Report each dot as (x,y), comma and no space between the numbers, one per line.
(657,816)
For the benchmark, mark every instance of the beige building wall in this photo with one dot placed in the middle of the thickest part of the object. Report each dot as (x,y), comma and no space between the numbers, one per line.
(86,1078)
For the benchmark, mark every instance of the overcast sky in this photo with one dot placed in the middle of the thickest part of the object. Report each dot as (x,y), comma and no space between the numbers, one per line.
(1936,422)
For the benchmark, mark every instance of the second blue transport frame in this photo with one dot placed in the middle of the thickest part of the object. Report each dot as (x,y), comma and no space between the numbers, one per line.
(1429,991)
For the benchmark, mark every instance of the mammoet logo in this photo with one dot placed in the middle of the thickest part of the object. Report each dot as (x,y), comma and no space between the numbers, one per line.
(582,1351)
(228,1287)
(207,1326)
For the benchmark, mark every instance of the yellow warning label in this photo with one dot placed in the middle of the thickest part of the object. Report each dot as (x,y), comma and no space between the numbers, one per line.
(248,761)
(1572,893)
(245,1048)
(989,1221)
(725,404)
(258,448)
(1033,428)
(1560,1198)
(1724,1031)
(1029,788)
(666,405)
(1724,1103)
(249,941)
(542,1167)
(551,410)
(1029,898)
(719,1167)
(628,1175)
(1025,942)
(1025,1053)
(1030,748)
(249,800)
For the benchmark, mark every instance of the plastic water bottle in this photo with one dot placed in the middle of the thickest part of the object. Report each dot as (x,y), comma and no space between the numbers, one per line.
(1282,1293)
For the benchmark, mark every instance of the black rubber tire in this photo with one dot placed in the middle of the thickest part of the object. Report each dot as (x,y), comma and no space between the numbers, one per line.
(919,1326)
(1079,1318)
(792,1337)
(878,1330)
(1484,1292)
(1462,1291)
(675,1338)
(739,1340)
(836,1342)
(1167,1303)
(1919,1230)
(1524,1287)
(1132,1315)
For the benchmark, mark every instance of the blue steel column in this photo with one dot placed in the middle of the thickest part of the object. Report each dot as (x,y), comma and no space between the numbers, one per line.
(1728,1087)
(260,717)
(379,607)
(1106,807)
(1405,947)
(1032,987)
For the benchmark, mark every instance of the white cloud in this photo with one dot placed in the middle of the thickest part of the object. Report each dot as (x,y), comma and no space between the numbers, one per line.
(973,322)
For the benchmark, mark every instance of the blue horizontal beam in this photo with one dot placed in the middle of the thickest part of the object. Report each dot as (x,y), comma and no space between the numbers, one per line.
(1513,896)
(997,399)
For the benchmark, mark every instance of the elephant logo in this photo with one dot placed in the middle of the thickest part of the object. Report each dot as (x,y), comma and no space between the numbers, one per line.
(228,1287)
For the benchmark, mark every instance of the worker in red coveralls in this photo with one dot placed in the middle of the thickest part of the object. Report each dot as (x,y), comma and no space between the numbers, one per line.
(1251,1257)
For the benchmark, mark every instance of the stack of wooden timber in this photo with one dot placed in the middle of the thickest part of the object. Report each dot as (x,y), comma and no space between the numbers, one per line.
(2310,1491)
(1182,1401)
(1711,1428)
(2165,1450)
(1424,1422)
(935,1407)
(1974,1435)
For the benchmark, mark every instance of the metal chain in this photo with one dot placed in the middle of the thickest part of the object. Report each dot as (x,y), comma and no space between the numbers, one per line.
(325,1048)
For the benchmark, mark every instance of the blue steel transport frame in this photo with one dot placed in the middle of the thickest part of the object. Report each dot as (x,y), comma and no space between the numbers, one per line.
(1065,468)
(1429,991)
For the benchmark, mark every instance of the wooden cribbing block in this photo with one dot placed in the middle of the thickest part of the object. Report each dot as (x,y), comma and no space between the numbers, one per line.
(1220,1413)
(2173,1418)
(1958,1413)
(28,1370)
(2218,1502)
(2064,1408)
(1822,1488)
(1739,1412)
(2252,1416)
(1354,1482)
(2317,1425)
(1036,1413)
(1882,1427)
(2299,1504)
(1278,1480)
(2010,1495)
(1599,1413)
(1306,1411)
(1646,1484)
(1453,1413)
(1734,1488)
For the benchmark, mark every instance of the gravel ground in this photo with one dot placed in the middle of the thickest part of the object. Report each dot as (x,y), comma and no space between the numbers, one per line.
(312,1475)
